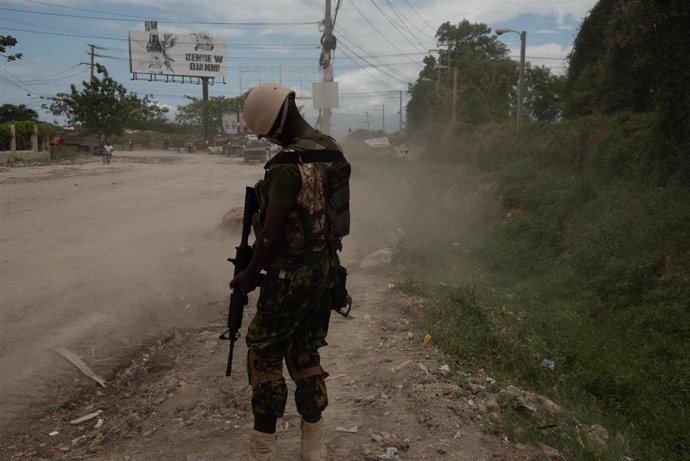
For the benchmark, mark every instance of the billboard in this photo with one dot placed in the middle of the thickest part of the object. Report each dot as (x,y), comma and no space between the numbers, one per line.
(231,122)
(189,55)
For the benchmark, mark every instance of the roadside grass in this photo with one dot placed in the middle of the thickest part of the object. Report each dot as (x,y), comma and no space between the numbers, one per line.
(59,153)
(577,260)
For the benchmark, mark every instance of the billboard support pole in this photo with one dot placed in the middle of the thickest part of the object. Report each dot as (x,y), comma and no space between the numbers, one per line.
(204,90)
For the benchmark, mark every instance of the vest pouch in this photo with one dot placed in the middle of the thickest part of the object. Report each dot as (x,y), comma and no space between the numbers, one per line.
(338,175)
(342,302)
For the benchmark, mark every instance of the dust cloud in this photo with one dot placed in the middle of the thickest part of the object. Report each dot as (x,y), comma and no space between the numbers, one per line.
(101,260)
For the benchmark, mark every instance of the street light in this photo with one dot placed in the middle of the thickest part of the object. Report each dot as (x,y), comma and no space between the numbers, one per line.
(521,86)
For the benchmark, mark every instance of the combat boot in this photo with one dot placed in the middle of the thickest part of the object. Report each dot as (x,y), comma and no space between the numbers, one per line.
(262,447)
(313,443)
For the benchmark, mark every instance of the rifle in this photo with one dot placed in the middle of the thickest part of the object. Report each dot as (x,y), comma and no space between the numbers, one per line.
(241,260)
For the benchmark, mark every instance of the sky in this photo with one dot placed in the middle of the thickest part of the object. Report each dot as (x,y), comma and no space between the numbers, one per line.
(380,47)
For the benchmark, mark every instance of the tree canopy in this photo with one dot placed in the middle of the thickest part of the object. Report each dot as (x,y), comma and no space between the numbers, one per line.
(14,113)
(485,78)
(7,41)
(631,55)
(104,106)
(209,113)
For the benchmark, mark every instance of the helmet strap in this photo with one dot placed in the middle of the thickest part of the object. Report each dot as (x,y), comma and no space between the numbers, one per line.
(279,130)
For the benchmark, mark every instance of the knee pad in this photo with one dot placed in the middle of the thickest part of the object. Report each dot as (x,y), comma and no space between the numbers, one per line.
(302,366)
(257,376)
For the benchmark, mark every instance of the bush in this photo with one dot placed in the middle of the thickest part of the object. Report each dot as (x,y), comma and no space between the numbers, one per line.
(63,152)
(23,132)
(586,262)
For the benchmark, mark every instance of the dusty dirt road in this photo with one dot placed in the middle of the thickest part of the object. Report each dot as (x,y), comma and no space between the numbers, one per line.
(125,266)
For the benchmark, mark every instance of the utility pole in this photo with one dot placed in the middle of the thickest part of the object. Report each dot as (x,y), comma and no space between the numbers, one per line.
(92,53)
(368,124)
(521,82)
(383,119)
(326,63)
(523,40)
(401,128)
(455,95)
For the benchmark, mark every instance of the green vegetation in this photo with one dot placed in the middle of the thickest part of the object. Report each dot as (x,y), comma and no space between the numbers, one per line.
(209,113)
(6,42)
(11,112)
(564,254)
(104,107)
(567,241)
(59,153)
(23,131)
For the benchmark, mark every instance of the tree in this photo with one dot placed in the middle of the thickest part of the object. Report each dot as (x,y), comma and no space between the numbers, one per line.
(7,41)
(104,106)
(543,94)
(209,113)
(13,113)
(485,78)
(631,55)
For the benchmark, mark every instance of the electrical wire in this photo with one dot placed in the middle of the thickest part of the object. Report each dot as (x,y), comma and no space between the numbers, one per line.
(337,8)
(120,39)
(376,28)
(429,36)
(420,16)
(170,21)
(402,23)
(14,83)
(368,69)
(398,75)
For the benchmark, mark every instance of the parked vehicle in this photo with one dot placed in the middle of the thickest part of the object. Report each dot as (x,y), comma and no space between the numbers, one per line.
(81,140)
(254,149)
(234,144)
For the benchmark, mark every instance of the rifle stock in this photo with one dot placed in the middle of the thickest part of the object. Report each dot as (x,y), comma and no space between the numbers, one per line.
(241,260)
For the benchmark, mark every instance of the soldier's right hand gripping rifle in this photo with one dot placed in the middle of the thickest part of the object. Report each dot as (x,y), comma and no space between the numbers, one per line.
(241,260)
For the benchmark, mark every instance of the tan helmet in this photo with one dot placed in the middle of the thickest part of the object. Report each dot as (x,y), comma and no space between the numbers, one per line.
(262,106)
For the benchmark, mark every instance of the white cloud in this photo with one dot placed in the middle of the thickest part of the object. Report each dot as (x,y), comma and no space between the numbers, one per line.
(370,34)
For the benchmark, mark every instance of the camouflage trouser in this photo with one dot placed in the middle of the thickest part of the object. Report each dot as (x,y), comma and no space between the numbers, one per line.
(291,324)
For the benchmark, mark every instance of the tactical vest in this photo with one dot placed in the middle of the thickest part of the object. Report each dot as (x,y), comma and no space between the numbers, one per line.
(322,228)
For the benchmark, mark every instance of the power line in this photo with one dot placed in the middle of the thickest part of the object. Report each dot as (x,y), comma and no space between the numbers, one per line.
(310,59)
(397,29)
(54,5)
(404,17)
(419,15)
(13,83)
(172,21)
(120,39)
(347,36)
(367,69)
(376,28)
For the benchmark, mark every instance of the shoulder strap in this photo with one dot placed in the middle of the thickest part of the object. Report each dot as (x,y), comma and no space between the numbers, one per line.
(306,156)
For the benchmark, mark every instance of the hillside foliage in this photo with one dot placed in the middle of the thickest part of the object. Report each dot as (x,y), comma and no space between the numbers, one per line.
(584,258)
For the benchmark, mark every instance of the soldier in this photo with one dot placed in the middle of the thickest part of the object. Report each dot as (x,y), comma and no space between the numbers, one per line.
(296,245)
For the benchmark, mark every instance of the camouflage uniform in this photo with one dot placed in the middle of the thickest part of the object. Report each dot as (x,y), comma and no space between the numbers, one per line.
(294,304)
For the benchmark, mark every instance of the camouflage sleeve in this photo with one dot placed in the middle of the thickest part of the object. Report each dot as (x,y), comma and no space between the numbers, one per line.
(282,184)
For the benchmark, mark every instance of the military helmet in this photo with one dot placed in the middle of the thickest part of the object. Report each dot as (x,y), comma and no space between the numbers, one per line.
(262,106)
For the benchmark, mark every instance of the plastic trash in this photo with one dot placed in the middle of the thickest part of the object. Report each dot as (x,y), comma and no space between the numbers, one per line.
(548,364)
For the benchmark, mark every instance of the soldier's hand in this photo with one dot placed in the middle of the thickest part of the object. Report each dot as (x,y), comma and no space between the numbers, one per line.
(245,283)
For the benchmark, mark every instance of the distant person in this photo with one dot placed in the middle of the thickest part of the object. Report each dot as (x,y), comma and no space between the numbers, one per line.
(107,153)
(297,246)
(130,146)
